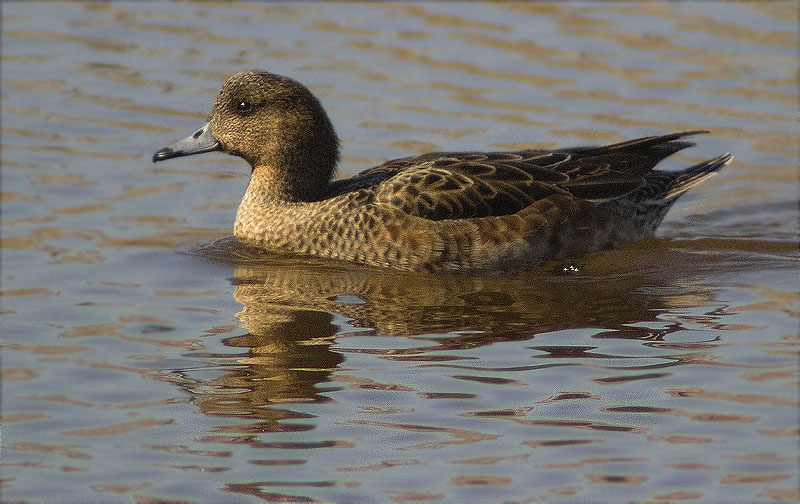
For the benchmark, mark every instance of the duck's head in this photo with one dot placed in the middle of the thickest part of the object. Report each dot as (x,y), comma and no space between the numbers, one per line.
(276,125)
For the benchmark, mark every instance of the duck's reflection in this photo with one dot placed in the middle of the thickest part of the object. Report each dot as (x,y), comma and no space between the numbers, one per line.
(294,310)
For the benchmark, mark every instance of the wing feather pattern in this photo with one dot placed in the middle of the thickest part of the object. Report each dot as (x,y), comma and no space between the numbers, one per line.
(457,185)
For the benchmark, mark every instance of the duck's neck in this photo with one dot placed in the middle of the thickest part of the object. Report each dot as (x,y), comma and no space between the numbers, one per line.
(274,186)
(275,197)
(294,169)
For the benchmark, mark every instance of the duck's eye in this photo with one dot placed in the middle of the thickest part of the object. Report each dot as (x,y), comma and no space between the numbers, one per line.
(244,106)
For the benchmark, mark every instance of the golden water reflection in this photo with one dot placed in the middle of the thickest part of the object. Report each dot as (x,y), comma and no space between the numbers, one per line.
(293,313)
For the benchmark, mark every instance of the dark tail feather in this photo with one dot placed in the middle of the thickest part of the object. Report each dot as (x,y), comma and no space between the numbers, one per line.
(693,175)
(653,140)
(646,152)
(658,143)
(653,199)
(662,188)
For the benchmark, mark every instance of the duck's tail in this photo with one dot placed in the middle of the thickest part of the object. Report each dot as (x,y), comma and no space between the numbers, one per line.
(664,187)
(653,199)
(690,177)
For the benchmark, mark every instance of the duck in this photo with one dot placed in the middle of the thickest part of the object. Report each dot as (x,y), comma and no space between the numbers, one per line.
(457,212)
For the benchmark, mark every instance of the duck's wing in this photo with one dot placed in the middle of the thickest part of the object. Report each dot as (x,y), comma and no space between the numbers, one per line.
(450,185)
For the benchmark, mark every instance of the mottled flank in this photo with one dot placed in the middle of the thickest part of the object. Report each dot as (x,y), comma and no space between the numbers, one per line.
(443,211)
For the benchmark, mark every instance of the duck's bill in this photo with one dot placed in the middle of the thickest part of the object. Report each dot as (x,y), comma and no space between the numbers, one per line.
(198,142)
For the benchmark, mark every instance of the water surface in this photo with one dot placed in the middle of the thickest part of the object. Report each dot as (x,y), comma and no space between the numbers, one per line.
(134,370)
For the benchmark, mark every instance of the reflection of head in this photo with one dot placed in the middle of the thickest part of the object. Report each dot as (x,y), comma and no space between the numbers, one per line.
(284,356)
